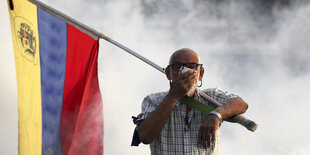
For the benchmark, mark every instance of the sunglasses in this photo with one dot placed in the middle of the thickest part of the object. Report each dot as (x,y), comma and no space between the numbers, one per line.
(180,66)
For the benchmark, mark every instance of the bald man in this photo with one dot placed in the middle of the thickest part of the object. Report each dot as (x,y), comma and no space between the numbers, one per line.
(171,127)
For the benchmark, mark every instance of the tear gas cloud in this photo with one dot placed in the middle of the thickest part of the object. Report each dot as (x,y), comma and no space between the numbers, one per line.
(256,49)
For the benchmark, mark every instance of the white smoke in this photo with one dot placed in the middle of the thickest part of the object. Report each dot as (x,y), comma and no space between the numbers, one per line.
(256,49)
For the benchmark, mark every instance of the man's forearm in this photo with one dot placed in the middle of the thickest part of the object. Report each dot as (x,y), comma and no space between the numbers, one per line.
(232,107)
(150,128)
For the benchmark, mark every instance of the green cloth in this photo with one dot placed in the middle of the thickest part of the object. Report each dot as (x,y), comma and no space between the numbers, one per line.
(196,104)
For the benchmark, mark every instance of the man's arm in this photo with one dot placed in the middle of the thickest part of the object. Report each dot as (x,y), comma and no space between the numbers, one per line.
(150,128)
(209,127)
(232,107)
(152,125)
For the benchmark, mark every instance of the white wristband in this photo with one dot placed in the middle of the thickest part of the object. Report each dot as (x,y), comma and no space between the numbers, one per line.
(217,114)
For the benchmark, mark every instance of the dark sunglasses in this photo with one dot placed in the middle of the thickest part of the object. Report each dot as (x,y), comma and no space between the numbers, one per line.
(180,66)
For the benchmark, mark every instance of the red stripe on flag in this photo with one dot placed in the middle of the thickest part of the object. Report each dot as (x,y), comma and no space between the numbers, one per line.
(82,116)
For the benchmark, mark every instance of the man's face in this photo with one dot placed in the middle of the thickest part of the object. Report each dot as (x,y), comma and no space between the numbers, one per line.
(181,60)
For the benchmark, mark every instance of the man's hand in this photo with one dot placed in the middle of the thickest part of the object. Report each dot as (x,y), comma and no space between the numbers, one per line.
(206,135)
(183,83)
(231,107)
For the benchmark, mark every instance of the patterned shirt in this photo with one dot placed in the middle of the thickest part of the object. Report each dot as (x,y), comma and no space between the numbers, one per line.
(177,137)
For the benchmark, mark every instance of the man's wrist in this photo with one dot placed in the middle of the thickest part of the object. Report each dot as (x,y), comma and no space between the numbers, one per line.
(174,94)
(172,97)
(217,114)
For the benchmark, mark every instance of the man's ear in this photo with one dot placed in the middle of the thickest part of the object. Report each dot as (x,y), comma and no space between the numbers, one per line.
(202,70)
(167,71)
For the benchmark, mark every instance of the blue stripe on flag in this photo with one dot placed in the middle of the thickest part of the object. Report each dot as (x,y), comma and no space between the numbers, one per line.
(53,47)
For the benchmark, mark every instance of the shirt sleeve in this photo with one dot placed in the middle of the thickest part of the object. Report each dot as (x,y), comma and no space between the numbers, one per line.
(149,104)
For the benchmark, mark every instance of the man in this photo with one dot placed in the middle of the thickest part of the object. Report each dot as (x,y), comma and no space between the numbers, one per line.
(171,127)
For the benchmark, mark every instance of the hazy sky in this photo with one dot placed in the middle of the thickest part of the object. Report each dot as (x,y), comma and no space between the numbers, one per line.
(256,49)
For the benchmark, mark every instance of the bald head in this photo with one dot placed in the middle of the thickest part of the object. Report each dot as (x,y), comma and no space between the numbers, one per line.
(183,55)
(187,58)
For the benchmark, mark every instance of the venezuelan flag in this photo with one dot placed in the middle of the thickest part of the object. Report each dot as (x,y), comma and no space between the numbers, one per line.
(60,108)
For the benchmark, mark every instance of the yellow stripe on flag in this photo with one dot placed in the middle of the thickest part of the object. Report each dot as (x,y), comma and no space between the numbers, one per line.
(27,59)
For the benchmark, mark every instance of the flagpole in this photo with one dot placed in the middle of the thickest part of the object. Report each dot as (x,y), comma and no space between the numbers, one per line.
(133,53)
(250,125)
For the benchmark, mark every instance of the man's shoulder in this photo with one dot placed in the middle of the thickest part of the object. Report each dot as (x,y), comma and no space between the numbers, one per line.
(156,96)
(218,94)
(211,91)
